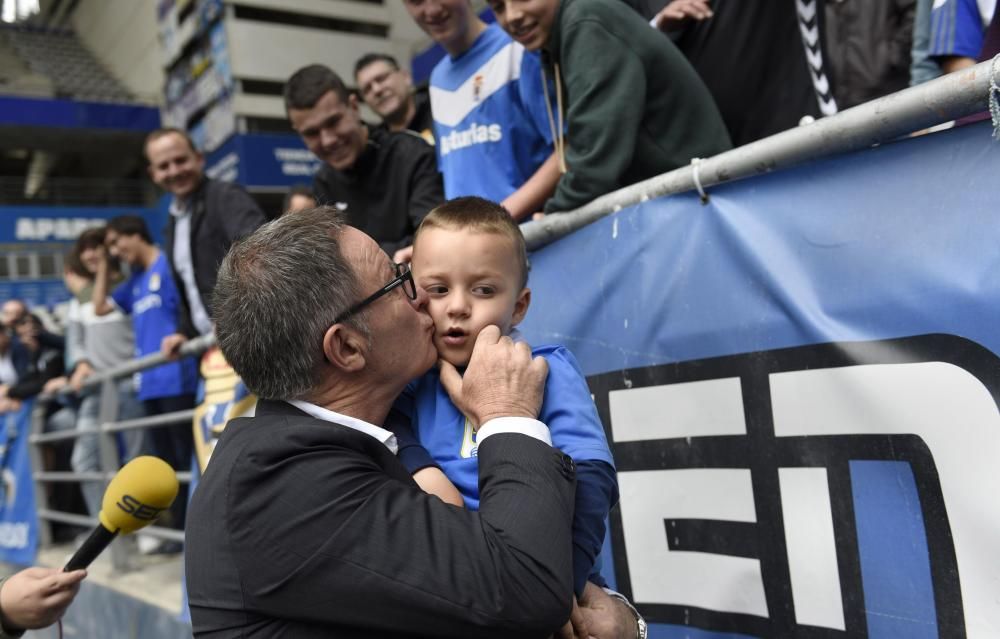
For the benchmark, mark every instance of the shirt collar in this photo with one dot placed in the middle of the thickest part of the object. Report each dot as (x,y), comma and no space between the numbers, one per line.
(382,435)
(179,208)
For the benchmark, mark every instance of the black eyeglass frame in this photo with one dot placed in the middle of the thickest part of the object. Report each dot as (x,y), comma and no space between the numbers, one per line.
(404,277)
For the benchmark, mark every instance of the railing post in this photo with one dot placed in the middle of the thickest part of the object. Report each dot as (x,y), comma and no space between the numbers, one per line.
(37,463)
(120,555)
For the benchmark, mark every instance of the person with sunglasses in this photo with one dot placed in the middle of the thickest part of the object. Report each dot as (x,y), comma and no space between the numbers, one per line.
(305,523)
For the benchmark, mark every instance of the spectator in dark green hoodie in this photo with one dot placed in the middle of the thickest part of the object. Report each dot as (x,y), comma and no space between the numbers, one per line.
(634,107)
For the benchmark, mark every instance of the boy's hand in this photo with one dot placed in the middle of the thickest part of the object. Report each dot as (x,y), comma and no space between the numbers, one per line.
(502,379)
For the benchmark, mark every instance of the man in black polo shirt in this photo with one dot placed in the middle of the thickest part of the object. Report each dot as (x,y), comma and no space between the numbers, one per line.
(383,182)
(390,92)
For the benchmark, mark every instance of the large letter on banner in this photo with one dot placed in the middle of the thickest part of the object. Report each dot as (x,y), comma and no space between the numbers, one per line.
(800,382)
(18,521)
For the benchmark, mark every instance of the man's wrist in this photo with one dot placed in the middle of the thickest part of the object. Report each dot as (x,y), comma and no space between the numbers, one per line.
(641,629)
(523,425)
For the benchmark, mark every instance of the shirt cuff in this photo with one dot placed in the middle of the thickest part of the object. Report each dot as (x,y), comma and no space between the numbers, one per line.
(522,425)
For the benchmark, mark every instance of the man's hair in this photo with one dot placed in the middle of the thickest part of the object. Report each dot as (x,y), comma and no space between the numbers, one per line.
(88,239)
(307,85)
(482,216)
(371,58)
(130,225)
(164,132)
(277,293)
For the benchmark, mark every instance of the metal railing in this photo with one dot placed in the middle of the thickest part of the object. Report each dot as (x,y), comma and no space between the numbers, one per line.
(109,427)
(888,118)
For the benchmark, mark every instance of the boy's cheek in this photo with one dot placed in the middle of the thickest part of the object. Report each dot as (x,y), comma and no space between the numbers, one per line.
(436,309)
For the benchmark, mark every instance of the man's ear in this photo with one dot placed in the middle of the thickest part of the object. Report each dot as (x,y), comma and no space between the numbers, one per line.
(353,101)
(521,306)
(345,348)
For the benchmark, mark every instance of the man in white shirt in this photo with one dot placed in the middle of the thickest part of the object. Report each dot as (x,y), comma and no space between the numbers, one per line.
(206,217)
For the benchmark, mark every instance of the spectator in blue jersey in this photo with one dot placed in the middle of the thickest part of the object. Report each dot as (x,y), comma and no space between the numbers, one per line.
(491,116)
(633,106)
(390,93)
(150,296)
(958,29)
(469,256)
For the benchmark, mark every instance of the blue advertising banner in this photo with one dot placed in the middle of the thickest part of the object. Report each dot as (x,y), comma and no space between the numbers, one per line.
(18,522)
(50,112)
(34,239)
(263,161)
(800,382)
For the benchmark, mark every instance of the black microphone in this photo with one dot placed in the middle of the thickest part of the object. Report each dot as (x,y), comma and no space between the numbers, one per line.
(141,490)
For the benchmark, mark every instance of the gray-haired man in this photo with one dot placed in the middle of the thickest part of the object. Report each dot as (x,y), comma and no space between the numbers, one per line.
(305,524)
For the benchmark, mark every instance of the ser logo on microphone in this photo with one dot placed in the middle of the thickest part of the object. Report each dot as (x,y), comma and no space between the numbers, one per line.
(132,506)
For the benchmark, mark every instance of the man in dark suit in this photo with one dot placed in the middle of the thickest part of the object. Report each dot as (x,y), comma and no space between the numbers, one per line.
(305,524)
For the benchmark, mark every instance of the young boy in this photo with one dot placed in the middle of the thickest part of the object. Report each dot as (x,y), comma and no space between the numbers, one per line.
(469,256)
(634,106)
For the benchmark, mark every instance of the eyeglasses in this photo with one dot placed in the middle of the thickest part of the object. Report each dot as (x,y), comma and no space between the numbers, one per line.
(369,87)
(404,278)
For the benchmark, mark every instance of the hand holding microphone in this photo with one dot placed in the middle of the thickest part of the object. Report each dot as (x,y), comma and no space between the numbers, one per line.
(141,490)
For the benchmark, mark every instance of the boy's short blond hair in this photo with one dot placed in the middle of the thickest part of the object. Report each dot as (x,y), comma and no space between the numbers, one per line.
(482,216)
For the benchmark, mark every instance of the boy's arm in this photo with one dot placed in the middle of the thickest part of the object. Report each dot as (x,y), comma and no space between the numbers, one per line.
(418,461)
(433,481)
(577,431)
(532,195)
(596,493)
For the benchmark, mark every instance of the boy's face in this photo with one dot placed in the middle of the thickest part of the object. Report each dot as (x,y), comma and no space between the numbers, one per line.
(124,247)
(527,21)
(472,280)
(446,21)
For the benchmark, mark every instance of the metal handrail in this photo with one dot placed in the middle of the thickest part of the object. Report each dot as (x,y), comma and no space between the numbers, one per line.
(192,347)
(946,98)
(107,381)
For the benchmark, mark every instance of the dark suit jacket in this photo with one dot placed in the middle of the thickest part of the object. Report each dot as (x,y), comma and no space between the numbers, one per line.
(303,528)
(222,213)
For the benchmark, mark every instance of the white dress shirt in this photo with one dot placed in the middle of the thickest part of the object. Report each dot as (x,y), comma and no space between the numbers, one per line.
(184,263)
(524,425)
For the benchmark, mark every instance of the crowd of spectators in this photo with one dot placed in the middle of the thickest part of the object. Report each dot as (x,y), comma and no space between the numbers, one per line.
(559,102)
